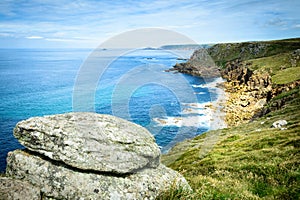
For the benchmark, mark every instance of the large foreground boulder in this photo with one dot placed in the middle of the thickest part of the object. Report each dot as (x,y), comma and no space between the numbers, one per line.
(90,141)
(60,182)
(89,156)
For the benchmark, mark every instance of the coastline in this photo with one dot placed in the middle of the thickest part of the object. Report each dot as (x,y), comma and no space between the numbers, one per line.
(260,91)
(209,114)
(218,107)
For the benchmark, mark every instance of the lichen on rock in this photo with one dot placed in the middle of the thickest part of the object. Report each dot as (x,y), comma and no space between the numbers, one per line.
(89,156)
(90,141)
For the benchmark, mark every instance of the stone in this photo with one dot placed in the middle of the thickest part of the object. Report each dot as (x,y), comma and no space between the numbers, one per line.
(260,103)
(90,141)
(61,182)
(12,189)
(279,123)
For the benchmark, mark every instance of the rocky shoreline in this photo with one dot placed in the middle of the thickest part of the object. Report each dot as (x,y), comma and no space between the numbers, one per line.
(247,90)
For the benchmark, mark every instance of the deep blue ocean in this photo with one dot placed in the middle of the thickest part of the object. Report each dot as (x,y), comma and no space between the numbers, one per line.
(37,82)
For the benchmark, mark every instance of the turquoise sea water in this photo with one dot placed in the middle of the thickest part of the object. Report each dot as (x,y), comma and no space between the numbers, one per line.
(37,82)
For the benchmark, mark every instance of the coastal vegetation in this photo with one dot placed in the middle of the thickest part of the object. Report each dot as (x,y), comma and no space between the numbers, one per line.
(224,52)
(252,159)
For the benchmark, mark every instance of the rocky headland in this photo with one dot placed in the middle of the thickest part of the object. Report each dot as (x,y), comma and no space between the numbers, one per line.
(257,156)
(85,156)
(250,72)
(200,64)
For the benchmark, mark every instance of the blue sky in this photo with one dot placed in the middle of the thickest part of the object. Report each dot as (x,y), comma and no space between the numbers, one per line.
(79,23)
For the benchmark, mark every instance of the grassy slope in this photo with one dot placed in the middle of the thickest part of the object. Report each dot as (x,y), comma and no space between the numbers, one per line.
(221,53)
(250,161)
(279,67)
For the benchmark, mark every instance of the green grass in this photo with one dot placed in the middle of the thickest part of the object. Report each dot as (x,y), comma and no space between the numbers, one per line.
(250,161)
(270,63)
(287,94)
(279,67)
(222,53)
(287,76)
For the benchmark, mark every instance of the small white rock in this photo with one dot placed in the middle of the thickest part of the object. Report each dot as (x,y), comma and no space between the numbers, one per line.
(279,123)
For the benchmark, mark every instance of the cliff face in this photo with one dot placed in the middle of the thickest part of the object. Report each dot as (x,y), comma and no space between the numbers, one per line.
(255,73)
(262,72)
(248,92)
(259,159)
(200,64)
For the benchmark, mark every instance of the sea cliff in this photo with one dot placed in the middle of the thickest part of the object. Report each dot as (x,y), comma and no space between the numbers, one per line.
(255,72)
(257,157)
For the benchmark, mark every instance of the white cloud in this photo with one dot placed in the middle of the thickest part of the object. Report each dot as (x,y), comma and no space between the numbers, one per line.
(5,35)
(204,20)
(297,26)
(34,37)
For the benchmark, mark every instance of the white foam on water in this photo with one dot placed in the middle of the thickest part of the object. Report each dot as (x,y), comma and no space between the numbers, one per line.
(196,114)
(192,121)
(197,105)
(187,111)
(199,93)
(212,84)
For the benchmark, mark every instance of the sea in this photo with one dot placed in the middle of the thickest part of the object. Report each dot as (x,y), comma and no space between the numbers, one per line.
(132,85)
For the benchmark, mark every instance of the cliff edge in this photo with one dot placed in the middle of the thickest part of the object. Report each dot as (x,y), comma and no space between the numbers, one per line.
(257,157)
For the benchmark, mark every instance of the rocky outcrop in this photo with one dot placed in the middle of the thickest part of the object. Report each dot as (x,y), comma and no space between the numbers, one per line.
(90,142)
(238,73)
(200,64)
(278,99)
(58,181)
(248,92)
(89,156)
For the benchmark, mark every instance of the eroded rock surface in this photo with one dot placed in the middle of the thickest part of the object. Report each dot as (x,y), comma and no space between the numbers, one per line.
(60,182)
(90,141)
(88,156)
(12,189)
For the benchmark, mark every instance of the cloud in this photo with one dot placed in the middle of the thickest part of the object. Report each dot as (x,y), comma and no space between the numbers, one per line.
(204,20)
(276,22)
(297,26)
(68,39)
(5,34)
(34,37)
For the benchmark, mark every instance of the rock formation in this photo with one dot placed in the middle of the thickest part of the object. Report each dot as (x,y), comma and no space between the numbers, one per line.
(200,64)
(103,143)
(89,156)
(248,90)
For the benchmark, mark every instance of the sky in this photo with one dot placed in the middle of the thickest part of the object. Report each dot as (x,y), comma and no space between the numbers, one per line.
(88,23)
